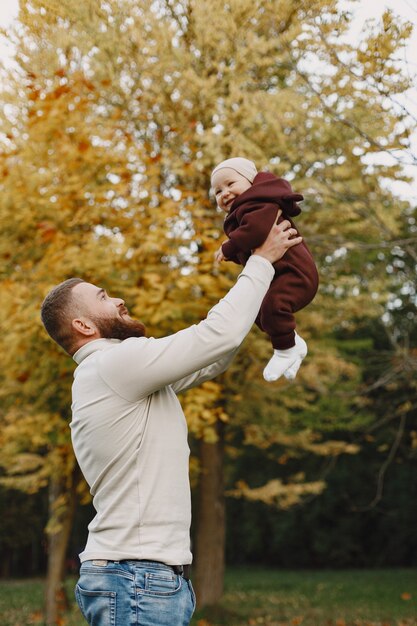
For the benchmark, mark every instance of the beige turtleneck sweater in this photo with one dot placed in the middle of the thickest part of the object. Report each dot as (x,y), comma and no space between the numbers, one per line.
(129,432)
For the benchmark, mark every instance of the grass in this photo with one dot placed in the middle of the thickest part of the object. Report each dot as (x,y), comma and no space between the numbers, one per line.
(261,597)
(316,598)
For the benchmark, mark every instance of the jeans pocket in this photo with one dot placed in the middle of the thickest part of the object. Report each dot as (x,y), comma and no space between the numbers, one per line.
(161,584)
(98,607)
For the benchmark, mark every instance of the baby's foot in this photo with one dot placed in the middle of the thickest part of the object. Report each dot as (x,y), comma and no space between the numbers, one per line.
(291,372)
(284,360)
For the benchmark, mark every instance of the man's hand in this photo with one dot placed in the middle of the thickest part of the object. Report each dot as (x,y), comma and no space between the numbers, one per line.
(219,256)
(281,237)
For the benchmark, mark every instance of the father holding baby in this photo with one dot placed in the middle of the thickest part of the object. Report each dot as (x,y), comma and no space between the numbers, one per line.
(130,436)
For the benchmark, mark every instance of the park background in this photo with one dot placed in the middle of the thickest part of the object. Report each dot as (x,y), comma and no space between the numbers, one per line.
(113,115)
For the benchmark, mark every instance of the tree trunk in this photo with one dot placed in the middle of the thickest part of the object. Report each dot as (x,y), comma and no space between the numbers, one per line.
(62,503)
(208,572)
(6,562)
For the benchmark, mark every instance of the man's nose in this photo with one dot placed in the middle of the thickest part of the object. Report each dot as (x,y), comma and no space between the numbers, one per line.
(118,301)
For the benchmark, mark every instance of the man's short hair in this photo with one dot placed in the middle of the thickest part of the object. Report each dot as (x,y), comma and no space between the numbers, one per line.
(57,313)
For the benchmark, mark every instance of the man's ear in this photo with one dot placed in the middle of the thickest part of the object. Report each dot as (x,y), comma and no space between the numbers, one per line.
(84,327)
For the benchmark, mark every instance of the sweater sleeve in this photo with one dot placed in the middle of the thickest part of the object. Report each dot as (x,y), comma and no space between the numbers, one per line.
(252,231)
(138,367)
(207,373)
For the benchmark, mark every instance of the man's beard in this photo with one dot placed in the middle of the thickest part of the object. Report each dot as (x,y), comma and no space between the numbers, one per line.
(118,328)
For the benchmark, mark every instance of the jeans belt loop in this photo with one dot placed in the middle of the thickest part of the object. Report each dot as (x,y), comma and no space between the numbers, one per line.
(182,570)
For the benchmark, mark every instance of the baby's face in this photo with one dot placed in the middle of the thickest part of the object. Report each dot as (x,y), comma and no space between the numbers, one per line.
(227,185)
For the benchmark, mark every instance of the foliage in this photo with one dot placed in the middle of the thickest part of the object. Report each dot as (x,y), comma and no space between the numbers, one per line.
(340,528)
(111,123)
(21,527)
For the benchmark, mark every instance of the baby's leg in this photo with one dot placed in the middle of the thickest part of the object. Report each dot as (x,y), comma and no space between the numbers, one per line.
(277,319)
(276,316)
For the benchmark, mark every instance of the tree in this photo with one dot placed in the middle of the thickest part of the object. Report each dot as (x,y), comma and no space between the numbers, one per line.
(390,370)
(246,87)
(69,194)
(114,119)
(21,525)
(56,187)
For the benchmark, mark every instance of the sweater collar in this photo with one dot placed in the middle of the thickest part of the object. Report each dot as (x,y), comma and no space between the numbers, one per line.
(93,346)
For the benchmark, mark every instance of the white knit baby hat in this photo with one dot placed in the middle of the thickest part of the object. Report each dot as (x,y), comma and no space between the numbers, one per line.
(242,166)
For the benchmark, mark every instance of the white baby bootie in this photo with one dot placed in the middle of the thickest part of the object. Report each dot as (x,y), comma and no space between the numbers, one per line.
(286,362)
(291,372)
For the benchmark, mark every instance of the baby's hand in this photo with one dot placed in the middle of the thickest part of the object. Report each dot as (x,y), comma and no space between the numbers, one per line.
(219,256)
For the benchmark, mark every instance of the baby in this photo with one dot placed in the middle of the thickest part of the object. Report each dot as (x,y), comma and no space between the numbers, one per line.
(251,200)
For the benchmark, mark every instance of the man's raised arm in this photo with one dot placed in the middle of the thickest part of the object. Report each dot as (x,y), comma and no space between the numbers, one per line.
(138,367)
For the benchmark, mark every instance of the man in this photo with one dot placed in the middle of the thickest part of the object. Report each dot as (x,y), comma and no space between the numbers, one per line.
(130,436)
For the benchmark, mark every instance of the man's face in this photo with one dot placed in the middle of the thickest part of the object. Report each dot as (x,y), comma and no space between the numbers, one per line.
(109,315)
(227,185)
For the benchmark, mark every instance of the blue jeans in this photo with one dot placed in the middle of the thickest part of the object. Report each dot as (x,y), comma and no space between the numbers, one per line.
(133,593)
